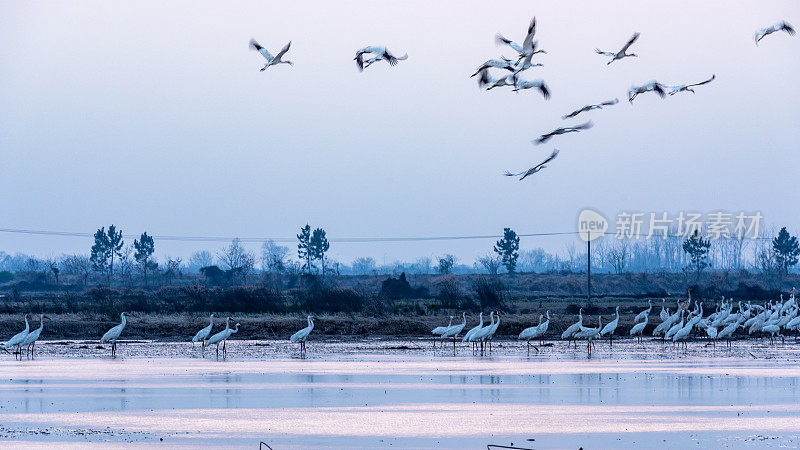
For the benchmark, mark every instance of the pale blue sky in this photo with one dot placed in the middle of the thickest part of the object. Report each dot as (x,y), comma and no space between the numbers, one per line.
(154,116)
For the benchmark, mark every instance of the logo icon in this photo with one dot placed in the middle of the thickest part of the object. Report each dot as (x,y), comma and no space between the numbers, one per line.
(591,225)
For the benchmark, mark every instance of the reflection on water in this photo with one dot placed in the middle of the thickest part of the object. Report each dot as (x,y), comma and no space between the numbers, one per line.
(292,386)
(355,396)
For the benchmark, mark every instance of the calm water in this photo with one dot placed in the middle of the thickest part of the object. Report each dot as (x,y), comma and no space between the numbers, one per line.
(391,394)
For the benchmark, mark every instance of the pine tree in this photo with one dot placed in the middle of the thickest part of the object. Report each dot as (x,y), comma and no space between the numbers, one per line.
(508,249)
(106,246)
(318,246)
(786,249)
(145,247)
(304,252)
(100,251)
(697,248)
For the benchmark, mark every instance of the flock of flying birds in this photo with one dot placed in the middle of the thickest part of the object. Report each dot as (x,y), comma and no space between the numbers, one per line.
(511,71)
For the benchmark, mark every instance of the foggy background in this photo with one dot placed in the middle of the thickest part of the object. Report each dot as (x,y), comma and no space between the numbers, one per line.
(155,117)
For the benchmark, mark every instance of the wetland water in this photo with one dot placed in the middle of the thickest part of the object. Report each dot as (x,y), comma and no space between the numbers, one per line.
(381,394)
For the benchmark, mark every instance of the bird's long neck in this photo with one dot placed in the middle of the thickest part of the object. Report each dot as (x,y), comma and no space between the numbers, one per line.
(212,320)
(481,317)
(27,326)
(464,319)
(41,321)
(123,319)
(311,323)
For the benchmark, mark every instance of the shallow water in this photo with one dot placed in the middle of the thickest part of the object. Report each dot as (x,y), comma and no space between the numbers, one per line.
(404,394)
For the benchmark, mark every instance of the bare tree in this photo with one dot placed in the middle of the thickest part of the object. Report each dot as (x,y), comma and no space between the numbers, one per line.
(491,263)
(274,257)
(79,265)
(172,269)
(200,259)
(619,254)
(364,266)
(125,264)
(422,265)
(237,258)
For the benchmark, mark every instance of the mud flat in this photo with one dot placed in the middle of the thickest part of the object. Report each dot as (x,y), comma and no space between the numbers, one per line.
(383,394)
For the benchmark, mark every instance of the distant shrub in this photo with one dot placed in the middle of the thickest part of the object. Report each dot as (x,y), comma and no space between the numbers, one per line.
(397,288)
(6,276)
(489,294)
(450,291)
(336,299)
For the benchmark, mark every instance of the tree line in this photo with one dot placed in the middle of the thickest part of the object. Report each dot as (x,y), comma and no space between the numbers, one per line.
(110,259)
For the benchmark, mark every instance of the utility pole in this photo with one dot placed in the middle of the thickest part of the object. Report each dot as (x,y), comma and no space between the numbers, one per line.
(588,266)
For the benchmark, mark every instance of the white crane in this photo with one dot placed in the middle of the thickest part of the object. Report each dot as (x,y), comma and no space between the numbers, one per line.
(638,329)
(773,330)
(664,313)
(533,84)
(674,329)
(590,108)
(620,54)
(504,63)
(780,26)
(664,325)
(590,334)
(543,327)
(439,331)
(534,332)
(380,54)
(525,63)
(727,332)
(688,87)
(113,334)
(712,332)
(643,315)
(302,335)
(683,333)
(528,46)
(455,330)
(480,335)
(220,337)
(531,333)
(485,79)
(30,341)
(650,86)
(526,173)
(473,330)
(562,130)
(271,60)
(610,328)
(203,334)
(569,333)
(17,339)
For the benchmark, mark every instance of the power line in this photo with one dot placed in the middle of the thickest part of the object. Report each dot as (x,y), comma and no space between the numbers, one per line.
(340,240)
(262,239)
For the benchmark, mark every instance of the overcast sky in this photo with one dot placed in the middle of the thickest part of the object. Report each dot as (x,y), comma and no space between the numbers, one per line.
(154,116)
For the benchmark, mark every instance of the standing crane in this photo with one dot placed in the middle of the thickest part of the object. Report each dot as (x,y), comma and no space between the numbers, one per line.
(17,339)
(113,334)
(30,341)
(203,334)
(302,335)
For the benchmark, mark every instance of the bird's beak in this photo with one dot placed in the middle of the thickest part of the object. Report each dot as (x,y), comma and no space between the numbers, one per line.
(48,318)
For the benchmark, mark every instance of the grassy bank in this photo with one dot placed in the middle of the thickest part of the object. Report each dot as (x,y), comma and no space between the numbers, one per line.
(182,326)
